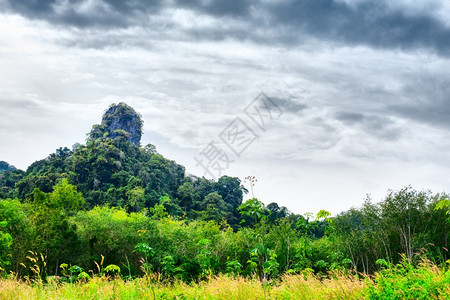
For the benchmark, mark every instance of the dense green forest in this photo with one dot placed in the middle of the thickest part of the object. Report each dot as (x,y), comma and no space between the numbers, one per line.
(111,206)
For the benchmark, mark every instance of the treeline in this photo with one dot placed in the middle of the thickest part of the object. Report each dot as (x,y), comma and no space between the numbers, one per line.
(51,235)
(115,172)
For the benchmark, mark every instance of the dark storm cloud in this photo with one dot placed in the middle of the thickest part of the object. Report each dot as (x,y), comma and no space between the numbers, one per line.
(427,100)
(281,22)
(234,8)
(367,23)
(289,105)
(380,127)
(349,118)
(110,13)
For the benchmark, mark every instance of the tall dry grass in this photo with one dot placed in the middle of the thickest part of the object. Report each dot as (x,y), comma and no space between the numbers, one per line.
(398,282)
(336,286)
(216,287)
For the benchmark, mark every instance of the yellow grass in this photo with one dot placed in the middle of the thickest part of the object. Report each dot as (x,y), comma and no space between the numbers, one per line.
(339,286)
(217,287)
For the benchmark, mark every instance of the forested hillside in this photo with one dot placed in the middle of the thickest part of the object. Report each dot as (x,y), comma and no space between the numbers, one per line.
(111,206)
(4,166)
(112,169)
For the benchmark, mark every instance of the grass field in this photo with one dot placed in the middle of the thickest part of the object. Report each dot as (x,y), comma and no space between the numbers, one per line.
(403,281)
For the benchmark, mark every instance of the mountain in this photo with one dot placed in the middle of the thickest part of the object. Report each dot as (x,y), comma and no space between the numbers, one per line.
(4,166)
(9,176)
(113,169)
(117,120)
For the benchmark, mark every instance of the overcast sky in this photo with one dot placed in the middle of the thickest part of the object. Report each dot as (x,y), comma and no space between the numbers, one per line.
(361,89)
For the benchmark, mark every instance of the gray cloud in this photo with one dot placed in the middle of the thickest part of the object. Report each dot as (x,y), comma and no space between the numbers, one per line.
(234,8)
(373,23)
(350,118)
(380,127)
(427,100)
(369,23)
(383,128)
(22,104)
(289,104)
(81,13)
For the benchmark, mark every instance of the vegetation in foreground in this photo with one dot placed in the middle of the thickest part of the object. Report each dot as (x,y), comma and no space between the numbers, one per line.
(102,219)
(403,281)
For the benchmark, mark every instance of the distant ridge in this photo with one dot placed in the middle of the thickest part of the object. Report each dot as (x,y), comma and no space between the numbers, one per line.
(4,166)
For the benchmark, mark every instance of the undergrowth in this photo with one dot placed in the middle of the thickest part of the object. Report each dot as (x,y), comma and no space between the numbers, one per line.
(402,281)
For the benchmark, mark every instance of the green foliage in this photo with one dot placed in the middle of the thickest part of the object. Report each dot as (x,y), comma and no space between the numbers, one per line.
(254,209)
(170,206)
(144,249)
(444,205)
(112,270)
(323,214)
(65,197)
(405,281)
(147,252)
(271,266)
(263,261)
(234,267)
(213,208)
(8,180)
(405,222)
(158,212)
(276,212)
(170,269)
(187,196)
(302,254)
(74,273)
(136,199)
(186,249)
(19,226)
(204,257)
(5,243)
(57,234)
(111,232)
(4,166)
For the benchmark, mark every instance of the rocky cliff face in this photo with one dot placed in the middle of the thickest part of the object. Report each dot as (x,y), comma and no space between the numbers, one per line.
(119,120)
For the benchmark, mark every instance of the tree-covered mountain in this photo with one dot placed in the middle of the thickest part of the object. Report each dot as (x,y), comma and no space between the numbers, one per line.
(119,120)
(4,166)
(9,176)
(111,168)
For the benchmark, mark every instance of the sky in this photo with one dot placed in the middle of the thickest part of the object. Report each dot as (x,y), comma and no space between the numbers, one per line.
(358,91)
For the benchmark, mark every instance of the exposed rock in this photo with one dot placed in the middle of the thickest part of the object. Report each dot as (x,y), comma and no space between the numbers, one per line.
(119,120)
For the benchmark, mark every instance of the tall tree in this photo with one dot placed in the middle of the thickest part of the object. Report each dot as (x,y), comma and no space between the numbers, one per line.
(51,218)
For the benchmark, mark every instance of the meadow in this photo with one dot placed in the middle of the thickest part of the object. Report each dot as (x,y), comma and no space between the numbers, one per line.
(402,281)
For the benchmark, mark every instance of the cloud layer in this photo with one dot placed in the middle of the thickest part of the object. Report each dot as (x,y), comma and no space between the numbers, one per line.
(403,25)
(363,85)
